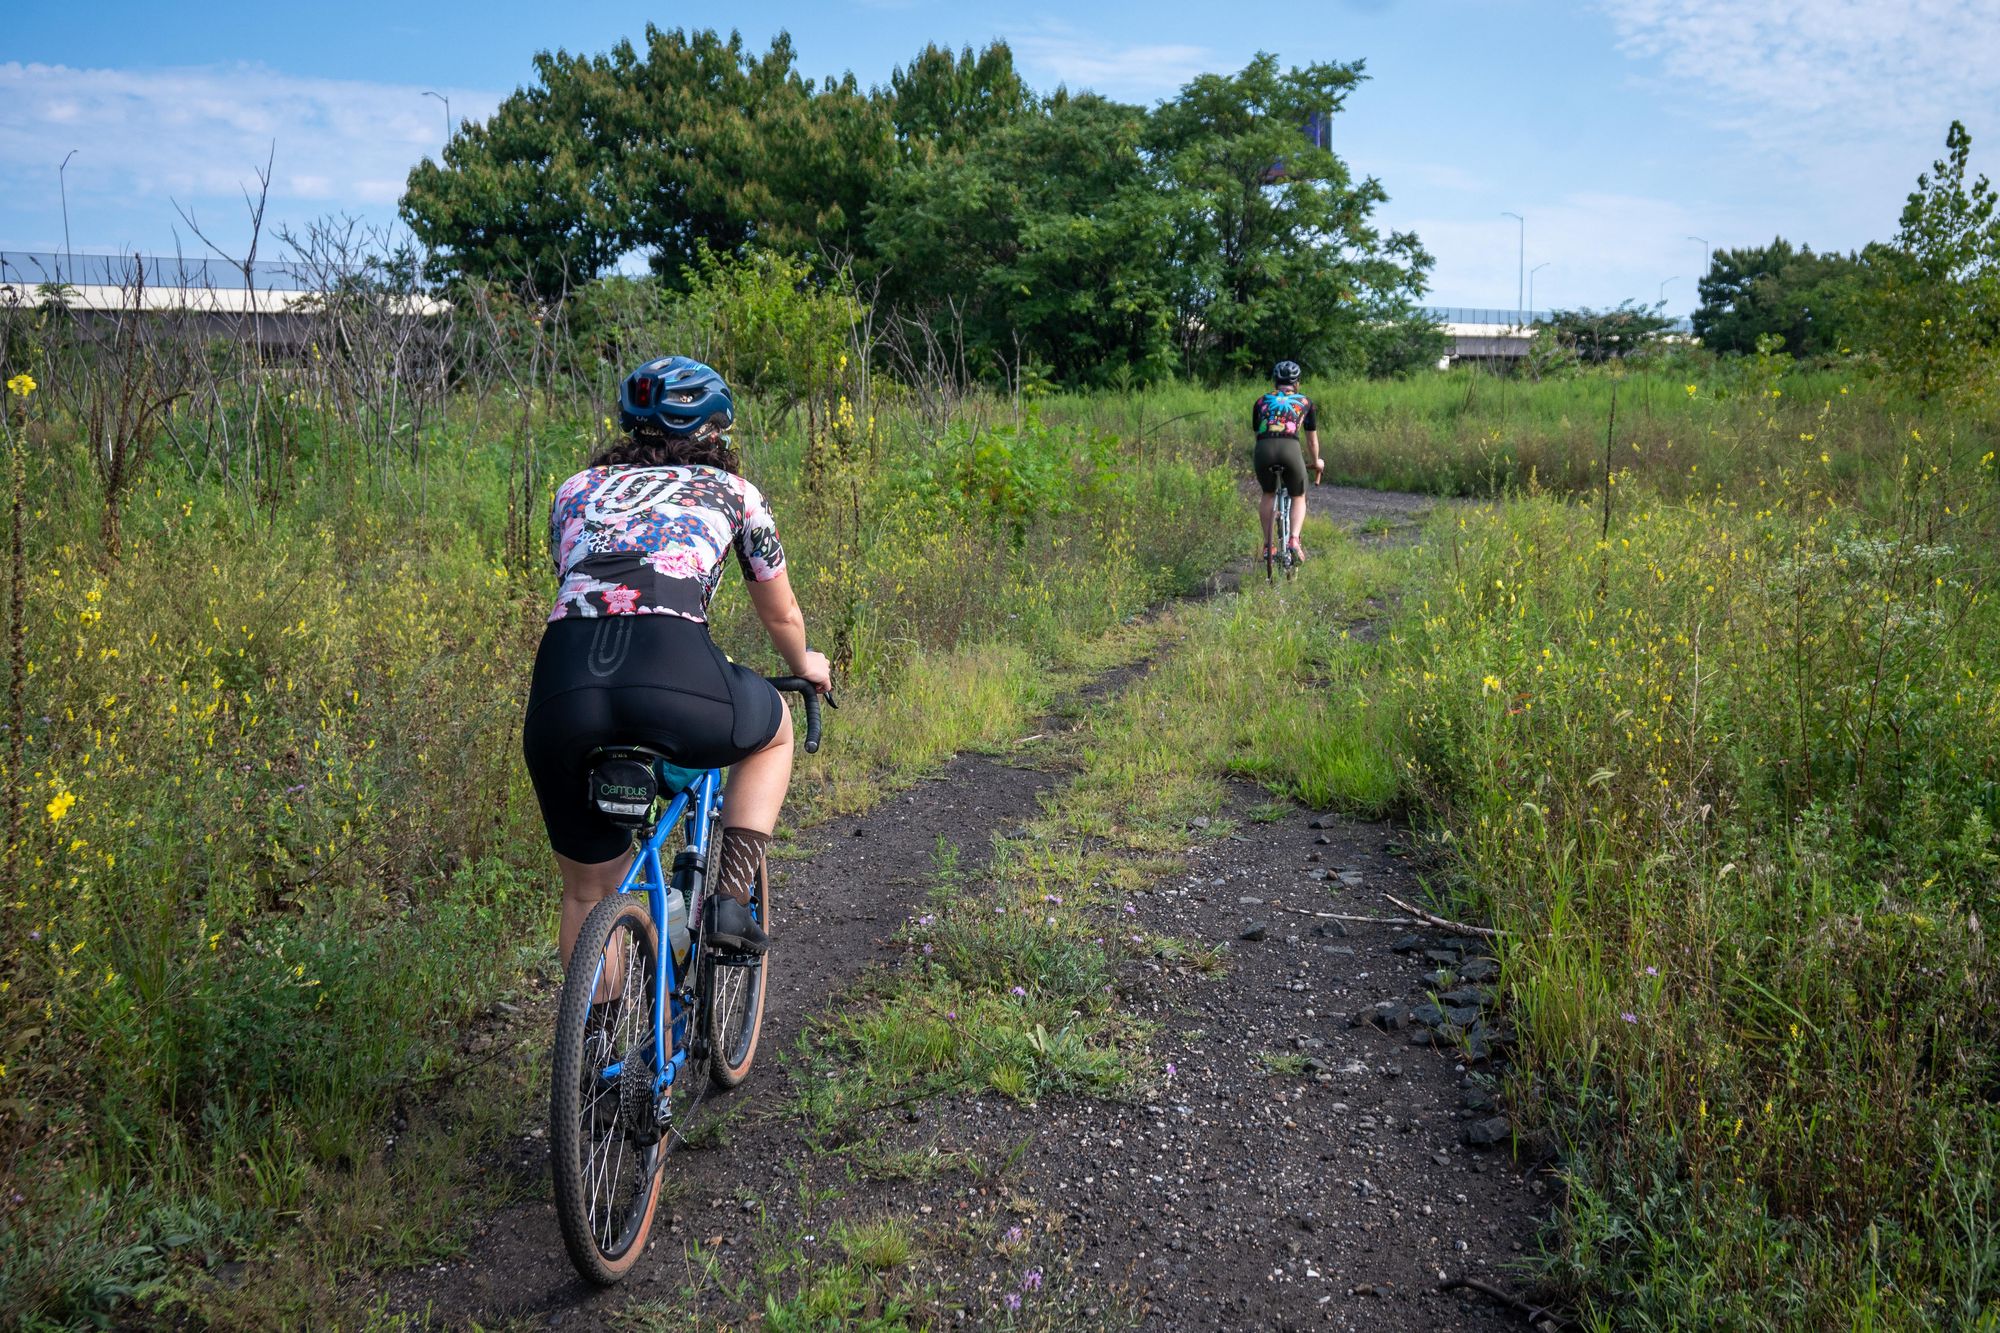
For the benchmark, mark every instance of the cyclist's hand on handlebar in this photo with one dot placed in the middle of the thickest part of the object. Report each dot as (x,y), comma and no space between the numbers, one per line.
(1319,470)
(818,670)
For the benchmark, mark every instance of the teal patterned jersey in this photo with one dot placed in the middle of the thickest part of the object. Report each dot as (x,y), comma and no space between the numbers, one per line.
(1283,413)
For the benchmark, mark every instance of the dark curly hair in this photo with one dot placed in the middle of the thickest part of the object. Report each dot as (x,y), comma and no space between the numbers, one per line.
(706,446)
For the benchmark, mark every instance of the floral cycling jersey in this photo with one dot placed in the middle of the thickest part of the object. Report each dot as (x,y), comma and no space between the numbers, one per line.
(650,541)
(1281,413)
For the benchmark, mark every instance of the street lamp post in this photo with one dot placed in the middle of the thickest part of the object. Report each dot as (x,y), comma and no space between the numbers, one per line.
(1521,275)
(1707,254)
(447,112)
(1663,287)
(1531,282)
(62,185)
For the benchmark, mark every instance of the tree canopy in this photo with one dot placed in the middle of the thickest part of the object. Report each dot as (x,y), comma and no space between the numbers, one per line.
(1936,319)
(1600,335)
(1098,240)
(1812,301)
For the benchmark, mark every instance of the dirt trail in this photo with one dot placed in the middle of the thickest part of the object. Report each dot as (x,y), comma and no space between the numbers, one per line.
(1331,1193)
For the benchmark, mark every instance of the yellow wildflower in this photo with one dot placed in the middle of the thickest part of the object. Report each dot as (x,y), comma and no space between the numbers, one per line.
(59,807)
(21,385)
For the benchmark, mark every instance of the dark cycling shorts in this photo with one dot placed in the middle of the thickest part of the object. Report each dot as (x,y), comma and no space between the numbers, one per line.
(633,680)
(1279,454)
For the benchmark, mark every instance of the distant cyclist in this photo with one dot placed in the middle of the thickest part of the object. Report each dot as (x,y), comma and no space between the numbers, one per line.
(640,538)
(1279,418)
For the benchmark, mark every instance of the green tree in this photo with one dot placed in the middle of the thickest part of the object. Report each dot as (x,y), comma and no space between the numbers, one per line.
(942,104)
(1937,317)
(1274,254)
(693,143)
(1600,335)
(1046,235)
(1812,301)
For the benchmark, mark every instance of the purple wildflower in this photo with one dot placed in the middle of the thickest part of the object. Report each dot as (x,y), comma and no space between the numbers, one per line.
(1013,1236)
(1012,1300)
(1032,1280)
(927,950)
(1055,898)
(1018,991)
(951,1014)
(1629,1016)
(1652,971)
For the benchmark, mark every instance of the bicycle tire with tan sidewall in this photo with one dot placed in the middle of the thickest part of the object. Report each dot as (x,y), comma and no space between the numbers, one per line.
(568,1143)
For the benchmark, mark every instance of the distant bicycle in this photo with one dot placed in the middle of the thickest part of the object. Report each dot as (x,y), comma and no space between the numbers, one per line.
(632,1068)
(1284,556)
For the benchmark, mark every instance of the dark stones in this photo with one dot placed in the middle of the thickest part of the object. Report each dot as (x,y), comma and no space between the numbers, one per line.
(1387,1016)
(1478,969)
(1488,1132)
(1254,930)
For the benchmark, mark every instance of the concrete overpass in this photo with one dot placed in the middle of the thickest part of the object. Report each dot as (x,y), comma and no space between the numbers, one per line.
(276,303)
(1484,335)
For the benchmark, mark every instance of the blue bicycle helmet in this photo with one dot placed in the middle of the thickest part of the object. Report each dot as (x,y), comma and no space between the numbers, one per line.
(674,395)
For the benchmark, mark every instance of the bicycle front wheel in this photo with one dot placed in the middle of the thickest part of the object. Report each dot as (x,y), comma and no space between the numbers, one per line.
(736,997)
(604,1137)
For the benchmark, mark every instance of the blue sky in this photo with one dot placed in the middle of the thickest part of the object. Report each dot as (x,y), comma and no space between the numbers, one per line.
(1619,128)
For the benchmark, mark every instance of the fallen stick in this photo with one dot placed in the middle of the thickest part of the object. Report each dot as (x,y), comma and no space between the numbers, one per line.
(1338,916)
(1455,927)
(1531,1313)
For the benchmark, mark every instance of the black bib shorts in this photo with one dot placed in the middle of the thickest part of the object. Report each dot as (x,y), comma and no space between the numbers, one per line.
(654,680)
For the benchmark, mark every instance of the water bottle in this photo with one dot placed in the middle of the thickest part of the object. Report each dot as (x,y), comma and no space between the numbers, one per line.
(677,925)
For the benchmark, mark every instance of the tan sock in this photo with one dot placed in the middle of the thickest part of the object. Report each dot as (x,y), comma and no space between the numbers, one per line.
(742,853)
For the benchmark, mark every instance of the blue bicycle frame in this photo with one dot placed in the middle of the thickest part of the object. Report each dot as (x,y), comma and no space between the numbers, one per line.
(701,805)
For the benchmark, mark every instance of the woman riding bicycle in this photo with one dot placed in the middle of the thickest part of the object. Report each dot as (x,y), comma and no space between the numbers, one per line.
(639,539)
(1280,419)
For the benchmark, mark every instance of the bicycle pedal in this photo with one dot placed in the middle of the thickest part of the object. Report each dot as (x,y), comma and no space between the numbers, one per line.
(721,959)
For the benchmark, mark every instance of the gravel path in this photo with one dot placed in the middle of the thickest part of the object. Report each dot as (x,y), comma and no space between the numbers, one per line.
(1297,1169)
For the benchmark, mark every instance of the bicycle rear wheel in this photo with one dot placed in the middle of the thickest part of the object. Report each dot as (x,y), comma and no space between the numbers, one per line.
(736,998)
(604,1139)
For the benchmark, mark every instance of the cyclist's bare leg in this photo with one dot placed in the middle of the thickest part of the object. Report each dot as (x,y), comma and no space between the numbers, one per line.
(584,886)
(1267,509)
(1298,518)
(756,790)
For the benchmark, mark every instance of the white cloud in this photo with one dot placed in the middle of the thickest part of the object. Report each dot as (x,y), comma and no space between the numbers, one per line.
(1804,69)
(1828,109)
(1085,62)
(200,134)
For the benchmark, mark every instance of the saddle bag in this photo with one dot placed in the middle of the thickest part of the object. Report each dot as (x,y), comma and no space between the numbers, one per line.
(623,787)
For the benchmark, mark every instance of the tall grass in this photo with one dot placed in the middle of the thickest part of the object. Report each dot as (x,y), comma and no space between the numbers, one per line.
(1703,428)
(1721,756)
(281,854)
(1728,772)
